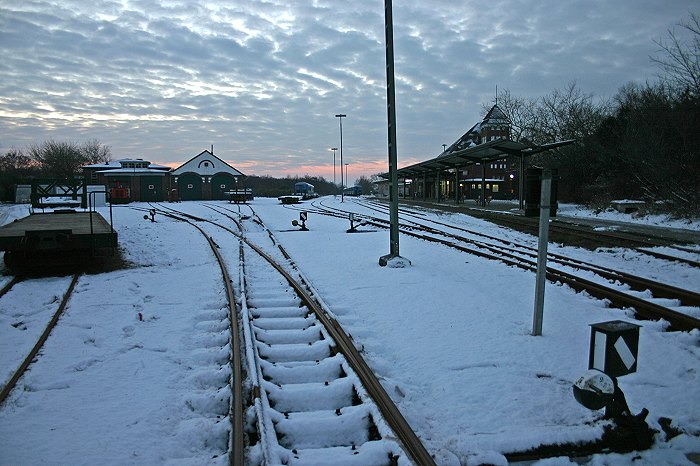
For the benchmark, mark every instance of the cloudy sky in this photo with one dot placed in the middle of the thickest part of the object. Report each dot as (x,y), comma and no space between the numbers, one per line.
(262,80)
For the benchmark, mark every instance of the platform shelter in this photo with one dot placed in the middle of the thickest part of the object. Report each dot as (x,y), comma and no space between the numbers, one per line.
(442,177)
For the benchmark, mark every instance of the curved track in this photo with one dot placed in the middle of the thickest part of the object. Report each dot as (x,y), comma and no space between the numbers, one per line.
(313,397)
(579,234)
(10,384)
(650,299)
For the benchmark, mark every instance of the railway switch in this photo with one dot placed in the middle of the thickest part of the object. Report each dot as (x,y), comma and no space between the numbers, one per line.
(353,224)
(613,348)
(612,354)
(302,221)
(594,389)
(151,215)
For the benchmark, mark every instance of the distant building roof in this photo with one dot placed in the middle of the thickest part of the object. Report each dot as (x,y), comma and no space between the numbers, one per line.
(206,163)
(116,164)
(132,171)
(494,117)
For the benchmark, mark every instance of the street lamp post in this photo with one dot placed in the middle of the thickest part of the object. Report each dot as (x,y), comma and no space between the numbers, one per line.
(341,116)
(346,174)
(334,183)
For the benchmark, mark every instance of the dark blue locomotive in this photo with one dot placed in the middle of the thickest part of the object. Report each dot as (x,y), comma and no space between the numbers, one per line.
(353,191)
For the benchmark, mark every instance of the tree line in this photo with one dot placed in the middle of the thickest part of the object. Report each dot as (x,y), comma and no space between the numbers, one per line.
(49,159)
(643,143)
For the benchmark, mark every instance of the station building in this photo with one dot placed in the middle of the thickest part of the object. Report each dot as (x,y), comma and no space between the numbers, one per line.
(499,175)
(130,180)
(482,165)
(203,177)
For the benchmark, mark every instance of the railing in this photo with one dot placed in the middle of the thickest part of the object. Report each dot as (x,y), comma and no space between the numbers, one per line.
(92,208)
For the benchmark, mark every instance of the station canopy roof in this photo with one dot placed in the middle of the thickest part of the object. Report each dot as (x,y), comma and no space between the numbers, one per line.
(482,153)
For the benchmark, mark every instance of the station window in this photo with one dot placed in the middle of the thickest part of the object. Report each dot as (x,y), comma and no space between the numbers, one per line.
(478,186)
(223,186)
(473,186)
(495,188)
(488,186)
(206,164)
(150,186)
(189,186)
(93,176)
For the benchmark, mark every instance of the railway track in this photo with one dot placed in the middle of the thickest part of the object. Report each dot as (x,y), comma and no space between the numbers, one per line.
(583,235)
(313,397)
(30,320)
(650,299)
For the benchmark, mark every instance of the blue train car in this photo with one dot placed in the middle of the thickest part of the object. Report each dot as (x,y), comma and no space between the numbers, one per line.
(305,190)
(353,191)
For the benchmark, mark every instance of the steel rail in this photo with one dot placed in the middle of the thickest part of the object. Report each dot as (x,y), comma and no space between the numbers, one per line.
(38,345)
(614,239)
(645,309)
(575,230)
(660,290)
(237,456)
(408,439)
(398,424)
(8,286)
(237,453)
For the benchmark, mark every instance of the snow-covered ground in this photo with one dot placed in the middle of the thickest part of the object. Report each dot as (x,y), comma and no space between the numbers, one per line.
(449,337)
(573,210)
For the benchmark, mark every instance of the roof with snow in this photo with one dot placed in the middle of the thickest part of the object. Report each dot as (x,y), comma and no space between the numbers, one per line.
(133,171)
(486,152)
(207,164)
(494,117)
(121,163)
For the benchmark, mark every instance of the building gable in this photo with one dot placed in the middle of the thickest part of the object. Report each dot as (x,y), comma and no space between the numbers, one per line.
(495,125)
(206,164)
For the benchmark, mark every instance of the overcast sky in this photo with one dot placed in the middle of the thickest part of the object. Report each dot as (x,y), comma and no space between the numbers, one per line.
(262,80)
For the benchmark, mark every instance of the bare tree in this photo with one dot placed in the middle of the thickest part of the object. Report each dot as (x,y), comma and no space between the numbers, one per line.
(520,111)
(96,152)
(366,184)
(64,159)
(15,160)
(568,114)
(681,58)
(15,167)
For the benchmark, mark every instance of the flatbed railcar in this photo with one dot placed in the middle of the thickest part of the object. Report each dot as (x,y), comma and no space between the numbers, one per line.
(62,236)
(239,195)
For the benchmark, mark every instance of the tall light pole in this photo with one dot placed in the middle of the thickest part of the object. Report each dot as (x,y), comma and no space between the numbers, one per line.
(341,116)
(392,259)
(334,183)
(346,174)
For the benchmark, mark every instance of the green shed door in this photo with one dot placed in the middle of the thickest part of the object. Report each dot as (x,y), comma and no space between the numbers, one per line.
(151,188)
(189,187)
(220,183)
